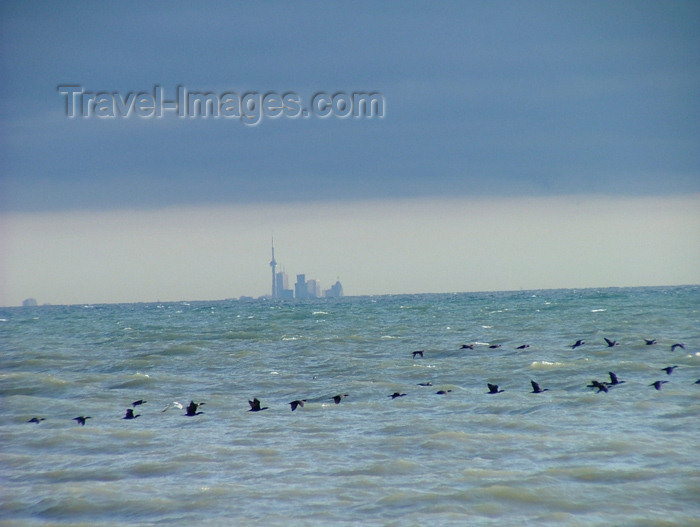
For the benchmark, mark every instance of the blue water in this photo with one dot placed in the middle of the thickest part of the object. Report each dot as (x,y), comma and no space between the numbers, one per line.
(568,456)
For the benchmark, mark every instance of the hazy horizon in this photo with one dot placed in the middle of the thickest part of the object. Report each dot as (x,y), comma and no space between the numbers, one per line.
(417,246)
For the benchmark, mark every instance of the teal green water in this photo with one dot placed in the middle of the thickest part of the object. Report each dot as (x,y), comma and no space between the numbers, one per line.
(568,456)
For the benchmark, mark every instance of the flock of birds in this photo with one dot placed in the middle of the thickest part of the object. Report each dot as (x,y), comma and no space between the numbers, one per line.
(193,409)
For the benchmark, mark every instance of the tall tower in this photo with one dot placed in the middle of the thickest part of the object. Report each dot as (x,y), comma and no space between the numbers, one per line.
(273,264)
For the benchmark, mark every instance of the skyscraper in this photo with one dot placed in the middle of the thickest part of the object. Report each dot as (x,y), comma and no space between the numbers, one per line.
(336,290)
(300,290)
(273,264)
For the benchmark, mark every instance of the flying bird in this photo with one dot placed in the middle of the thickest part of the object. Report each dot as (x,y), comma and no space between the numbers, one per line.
(578,343)
(493,388)
(494,346)
(130,414)
(467,346)
(81,419)
(597,384)
(613,379)
(658,384)
(669,369)
(536,387)
(425,384)
(678,345)
(36,419)
(338,398)
(174,404)
(255,406)
(650,342)
(396,394)
(524,346)
(610,343)
(298,402)
(415,353)
(442,392)
(139,402)
(192,409)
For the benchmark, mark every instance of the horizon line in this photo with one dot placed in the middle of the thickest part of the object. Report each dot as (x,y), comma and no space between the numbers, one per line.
(268,298)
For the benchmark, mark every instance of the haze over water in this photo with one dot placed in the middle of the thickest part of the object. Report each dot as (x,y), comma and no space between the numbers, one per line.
(568,456)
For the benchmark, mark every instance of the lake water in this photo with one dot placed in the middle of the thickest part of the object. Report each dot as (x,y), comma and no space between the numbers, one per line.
(569,456)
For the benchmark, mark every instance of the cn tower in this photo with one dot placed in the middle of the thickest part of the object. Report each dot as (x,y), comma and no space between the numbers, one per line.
(273,264)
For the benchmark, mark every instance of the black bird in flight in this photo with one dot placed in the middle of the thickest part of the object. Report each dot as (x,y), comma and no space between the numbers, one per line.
(338,398)
(650,342)
(130,414)
(524,346)
(36,420)
(610,343)
(255,406)
(597,384)
(396,394)
(81,419)
(420,352)
(669,369)
(493,388)
(658,384)
(536,387)
(467,346)
(678,345)
(613,379)
(298,402)
(139,402)
(192,409)
(578,343)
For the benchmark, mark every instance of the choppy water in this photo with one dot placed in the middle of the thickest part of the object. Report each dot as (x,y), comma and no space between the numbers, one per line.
(569,456)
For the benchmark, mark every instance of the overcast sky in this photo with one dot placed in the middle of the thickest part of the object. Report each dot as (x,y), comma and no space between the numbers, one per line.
(513,136)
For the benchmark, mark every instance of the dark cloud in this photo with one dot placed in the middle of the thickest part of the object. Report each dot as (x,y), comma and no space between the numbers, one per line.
(481,99)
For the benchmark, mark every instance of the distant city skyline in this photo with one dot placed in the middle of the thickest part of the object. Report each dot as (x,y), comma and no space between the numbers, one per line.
(303,288)
(406,246)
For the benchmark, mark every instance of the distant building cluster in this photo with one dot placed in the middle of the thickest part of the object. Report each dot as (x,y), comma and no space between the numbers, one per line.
(303,288)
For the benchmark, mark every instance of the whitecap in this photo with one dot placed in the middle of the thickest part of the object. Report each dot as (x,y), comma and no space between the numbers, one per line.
(597,310)
(543,364)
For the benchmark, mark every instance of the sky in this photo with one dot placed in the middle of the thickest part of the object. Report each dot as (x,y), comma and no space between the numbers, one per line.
(516,145)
